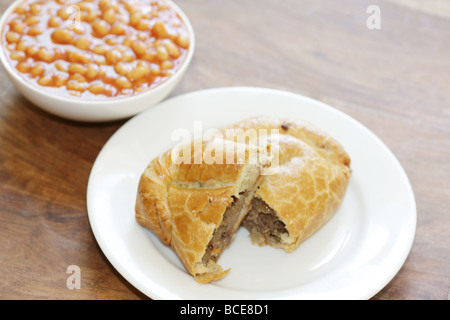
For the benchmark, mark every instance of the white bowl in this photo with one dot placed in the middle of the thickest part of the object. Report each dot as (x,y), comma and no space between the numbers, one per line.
(97,110)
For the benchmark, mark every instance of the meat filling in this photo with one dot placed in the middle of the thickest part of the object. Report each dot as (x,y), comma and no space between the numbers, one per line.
(263,224)
(260,220)
(230,223)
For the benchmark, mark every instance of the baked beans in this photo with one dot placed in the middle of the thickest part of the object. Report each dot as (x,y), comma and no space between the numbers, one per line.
(95,48)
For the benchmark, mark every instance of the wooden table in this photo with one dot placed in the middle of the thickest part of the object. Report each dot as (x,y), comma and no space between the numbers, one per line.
(395,80)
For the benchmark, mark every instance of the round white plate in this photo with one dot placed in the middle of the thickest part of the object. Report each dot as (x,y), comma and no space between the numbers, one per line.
(352,257)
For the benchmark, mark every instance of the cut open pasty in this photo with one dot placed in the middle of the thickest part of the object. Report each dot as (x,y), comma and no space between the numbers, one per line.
(196,207)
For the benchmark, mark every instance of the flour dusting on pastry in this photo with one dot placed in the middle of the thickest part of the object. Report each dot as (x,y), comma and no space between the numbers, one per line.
(293,188)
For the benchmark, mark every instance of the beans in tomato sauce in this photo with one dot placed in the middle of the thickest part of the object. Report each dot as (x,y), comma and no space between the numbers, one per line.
(95,48)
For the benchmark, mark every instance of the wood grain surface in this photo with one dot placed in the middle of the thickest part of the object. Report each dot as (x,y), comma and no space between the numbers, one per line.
(395,80)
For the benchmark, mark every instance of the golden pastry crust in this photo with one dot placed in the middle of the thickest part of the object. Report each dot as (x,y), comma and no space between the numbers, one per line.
(308,186)
(184,204)
(319,140)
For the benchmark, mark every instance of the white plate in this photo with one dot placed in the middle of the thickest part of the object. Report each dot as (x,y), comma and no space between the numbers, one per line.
(352,257)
